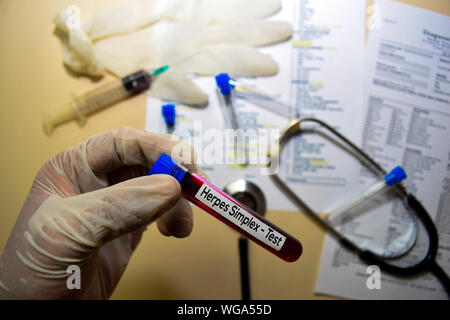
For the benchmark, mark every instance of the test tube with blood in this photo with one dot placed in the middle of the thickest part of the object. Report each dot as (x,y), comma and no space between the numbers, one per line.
(228,210)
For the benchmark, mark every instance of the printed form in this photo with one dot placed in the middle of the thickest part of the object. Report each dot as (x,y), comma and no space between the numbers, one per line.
(320,75)
(407,123)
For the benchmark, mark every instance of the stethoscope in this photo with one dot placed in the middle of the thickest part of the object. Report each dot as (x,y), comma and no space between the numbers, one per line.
(249,194)
(372,256)
(427,263)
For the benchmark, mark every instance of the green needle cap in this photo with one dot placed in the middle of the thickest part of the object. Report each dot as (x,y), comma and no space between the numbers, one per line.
(158,71)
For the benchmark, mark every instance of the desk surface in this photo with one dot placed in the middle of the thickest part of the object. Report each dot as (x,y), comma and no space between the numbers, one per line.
(202,266)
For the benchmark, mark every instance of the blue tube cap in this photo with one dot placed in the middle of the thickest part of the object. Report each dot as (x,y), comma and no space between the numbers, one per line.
(395,176)
(168,112)
(165,165)
(223,82)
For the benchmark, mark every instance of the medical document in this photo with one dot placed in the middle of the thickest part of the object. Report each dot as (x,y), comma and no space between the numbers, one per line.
(407,123)
(320,75)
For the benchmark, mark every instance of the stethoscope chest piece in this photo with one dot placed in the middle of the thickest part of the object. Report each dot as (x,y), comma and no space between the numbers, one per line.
(248,193)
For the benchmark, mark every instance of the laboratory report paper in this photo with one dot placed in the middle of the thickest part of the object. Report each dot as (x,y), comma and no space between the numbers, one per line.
(407,123)
(320,75)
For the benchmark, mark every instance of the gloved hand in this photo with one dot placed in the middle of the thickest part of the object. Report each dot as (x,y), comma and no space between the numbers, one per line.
(204,37)
(88,207)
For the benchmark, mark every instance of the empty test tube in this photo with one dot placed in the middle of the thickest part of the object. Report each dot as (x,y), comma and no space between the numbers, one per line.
(395,176)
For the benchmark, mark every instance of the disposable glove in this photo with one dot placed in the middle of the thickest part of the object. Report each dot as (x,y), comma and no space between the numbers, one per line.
(88,207)
(192,36)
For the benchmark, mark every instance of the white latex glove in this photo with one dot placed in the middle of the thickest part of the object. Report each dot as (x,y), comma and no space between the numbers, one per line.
(192,36)
(89,206)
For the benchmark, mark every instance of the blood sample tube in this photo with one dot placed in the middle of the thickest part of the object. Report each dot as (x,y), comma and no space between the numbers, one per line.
(228,210)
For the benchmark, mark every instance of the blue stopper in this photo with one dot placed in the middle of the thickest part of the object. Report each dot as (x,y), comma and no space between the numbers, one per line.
(168,112)
(165,165)
(223,82)
(395,176)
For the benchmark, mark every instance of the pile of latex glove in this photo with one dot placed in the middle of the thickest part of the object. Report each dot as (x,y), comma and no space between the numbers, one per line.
(203,37)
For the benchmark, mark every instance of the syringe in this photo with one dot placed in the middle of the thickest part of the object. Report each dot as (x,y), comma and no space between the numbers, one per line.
(98,99)
(254,96)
